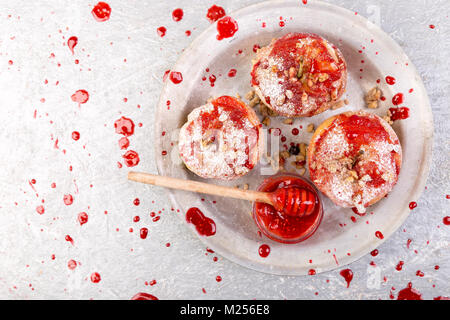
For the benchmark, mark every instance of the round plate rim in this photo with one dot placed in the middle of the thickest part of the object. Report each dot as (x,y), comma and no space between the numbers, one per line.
(420,182)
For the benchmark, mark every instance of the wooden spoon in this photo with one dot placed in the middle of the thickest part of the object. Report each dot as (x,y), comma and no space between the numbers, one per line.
(292,200)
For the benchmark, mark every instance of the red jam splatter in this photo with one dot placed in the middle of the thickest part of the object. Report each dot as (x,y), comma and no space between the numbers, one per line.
(374,253)
(264,250)
(80,96)
(397,99)
(347,274)
(412,205)
(305,1)
(143,233)
(446,220)
(68,199)
(232,73)
(295,131)
(177,14)
(408,243)
(75,135)
(390,80)
(379,235)
(124,126)
(176,77)
(278,226)
(215,13)
(136,202)
(432,26)
(71,43)
(124,143)
(226,27)
(40,209)
(218,278)
(205,226)
(212,80)
(311,272)
(399,113)
(131,158)
(161,31)
(69,239)
(101,11)
(72,264)
(82,218)
(399,266)
(409,293)
(420,273)
(95,277)
(143,296)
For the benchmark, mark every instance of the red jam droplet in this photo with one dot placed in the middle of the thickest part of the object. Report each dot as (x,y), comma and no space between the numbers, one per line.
(397,99)
(124,143)
(80,96)
(82,218)
(399,113)
(232,73)
(399,266)
(347,274)
(390,80)
(379,235)
(75,135)
(355,210)
(226,27)
(131,158)
(264,250)
(412,205)
(68,199)
(124,126)
(101,11)
(143,233)
(71,43)
(177,14)
(95,277)
(446,220)
(72,264)
(143,296)
(204,225)
(215,13)
(161,31)
(409,293)
(176,77)
(40,209)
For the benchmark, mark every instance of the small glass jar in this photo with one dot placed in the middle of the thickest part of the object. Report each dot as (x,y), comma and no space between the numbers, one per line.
(278,226)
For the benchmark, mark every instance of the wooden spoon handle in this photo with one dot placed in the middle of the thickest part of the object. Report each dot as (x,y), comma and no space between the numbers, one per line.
(200,187)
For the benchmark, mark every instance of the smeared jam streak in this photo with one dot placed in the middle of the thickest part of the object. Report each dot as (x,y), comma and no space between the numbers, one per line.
(205,226)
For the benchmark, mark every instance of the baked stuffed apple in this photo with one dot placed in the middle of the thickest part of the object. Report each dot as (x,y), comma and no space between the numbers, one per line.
(221,139)
(355,158)
(299,75)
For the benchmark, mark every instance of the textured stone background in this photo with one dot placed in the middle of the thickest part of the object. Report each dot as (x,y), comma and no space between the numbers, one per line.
(125,58)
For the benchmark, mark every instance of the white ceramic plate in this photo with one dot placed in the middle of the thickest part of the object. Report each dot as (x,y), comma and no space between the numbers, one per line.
(338,240)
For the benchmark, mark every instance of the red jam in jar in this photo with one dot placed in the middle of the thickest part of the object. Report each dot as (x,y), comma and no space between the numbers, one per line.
(278,226)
